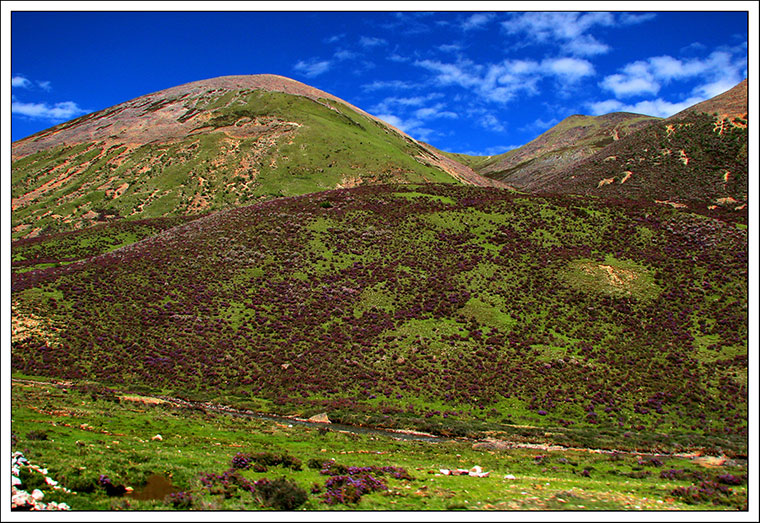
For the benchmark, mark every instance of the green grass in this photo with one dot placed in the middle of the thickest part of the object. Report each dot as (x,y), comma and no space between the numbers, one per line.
(612,277)
(86,436)
(309,146)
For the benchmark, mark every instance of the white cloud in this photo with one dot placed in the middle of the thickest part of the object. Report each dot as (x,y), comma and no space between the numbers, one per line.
(20,81)
(24,83)
(410,113)
(568,68)
(426,113)
(490,122)
(477,20)
(493,150)
(395,57)
(395,104)
(635,18)
(388,84)
(494,82)
(715,88)
(448,74)
(61,111)
(371,41)
(540,125)
(586,45)
(312,68)
(568,30)
(624,86)
(503,81)
(343,54)
(657,107)
(394,120)
(334,38)
(409,23)
(605,107)
(544,26)
(449,48)
(719,71)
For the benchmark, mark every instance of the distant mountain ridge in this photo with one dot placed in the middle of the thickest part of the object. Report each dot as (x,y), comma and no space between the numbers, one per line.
(697,158)
(574,138)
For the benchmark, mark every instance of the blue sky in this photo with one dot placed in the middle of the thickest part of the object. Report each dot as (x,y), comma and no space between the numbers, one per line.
(473,82)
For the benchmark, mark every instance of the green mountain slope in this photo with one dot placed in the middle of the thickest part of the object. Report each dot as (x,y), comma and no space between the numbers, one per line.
(209,145)
(430,306)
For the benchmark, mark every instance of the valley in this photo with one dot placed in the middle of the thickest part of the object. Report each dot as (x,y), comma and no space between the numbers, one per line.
(572,313)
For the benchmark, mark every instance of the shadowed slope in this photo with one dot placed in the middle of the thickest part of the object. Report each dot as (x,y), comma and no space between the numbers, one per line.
(573,139)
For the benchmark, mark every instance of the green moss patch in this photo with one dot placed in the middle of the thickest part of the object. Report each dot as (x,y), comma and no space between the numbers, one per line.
(619,278)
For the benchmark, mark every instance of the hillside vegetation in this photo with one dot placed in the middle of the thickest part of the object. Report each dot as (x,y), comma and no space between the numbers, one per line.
(573,139)
(98,443)
(206,146)
(698,161)
(435,307)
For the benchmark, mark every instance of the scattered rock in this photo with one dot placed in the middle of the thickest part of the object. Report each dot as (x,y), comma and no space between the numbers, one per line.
(477,472)
(491,444)
(710,461)
(157,437)
(320,418)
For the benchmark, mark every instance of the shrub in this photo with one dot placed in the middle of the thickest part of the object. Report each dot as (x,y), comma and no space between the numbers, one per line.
(280,494)
(37,435)
(730,479)
(181,500)
(315,463)
(261,460)
(227,484)
(673,474)
(706,491)
(349,489)
(650,462)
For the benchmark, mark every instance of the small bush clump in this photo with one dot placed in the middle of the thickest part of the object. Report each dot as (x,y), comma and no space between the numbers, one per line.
(37,435)
(181,500)
(261,460)
(280,494)
(704,492)
(349,489)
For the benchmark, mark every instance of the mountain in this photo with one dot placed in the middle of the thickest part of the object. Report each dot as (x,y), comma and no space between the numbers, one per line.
(539,311)
(694,159)
(207,145)
(731,104)
(573,139)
